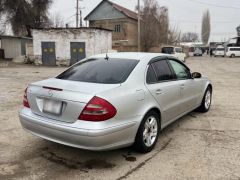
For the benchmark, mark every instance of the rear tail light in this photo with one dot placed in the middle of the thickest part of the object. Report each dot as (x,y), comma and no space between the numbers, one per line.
(25,100)
(98,109)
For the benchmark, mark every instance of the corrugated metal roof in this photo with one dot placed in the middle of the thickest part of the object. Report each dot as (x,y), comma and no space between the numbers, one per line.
(15,37)
(125,11)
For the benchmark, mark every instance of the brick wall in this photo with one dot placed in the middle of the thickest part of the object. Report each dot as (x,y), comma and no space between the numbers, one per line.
(127,35)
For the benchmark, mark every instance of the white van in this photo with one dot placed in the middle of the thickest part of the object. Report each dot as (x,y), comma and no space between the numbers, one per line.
(220,51)
(233,52)
(175,51)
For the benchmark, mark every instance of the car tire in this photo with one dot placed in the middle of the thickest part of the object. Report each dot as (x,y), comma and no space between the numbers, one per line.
(206,101)
(232,56)
(148,132)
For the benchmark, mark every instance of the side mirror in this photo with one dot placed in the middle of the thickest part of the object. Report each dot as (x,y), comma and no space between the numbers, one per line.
(196,75)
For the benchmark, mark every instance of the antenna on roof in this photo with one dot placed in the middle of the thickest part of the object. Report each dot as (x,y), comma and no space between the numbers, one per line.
(106,57)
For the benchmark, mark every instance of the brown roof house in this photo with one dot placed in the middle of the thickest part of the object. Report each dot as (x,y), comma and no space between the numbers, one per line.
(122,21)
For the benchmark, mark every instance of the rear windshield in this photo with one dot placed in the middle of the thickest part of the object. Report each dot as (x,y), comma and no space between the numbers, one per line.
(178,50)
(220,49)
(168,50)
(103,71)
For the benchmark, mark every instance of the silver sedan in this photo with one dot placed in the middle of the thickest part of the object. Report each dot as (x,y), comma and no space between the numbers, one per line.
(114,100)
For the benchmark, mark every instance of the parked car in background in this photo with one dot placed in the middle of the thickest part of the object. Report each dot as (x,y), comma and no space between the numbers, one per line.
(175,51)
(220,51)
(197,52)
(115,100)
(233,52)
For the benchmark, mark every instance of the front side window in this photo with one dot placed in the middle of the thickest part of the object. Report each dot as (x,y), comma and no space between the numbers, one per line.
(162,70)
(180,70)
(103,71)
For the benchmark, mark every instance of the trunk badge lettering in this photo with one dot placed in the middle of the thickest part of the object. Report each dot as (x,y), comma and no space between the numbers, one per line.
(50,93)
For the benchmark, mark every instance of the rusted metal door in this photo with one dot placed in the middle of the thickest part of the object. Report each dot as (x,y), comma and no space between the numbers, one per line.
(48,54)
(78,51)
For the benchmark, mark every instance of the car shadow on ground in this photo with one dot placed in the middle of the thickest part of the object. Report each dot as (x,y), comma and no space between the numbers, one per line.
(85,161)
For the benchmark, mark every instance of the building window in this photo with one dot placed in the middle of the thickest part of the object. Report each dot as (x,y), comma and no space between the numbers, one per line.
(117,28)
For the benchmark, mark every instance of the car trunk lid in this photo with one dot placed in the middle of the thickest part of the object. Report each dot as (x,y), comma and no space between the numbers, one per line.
(63,100)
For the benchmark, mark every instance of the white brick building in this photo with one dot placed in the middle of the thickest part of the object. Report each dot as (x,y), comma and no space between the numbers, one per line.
(65,46)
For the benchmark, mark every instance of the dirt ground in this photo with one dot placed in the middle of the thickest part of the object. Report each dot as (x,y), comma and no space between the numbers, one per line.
(198,146)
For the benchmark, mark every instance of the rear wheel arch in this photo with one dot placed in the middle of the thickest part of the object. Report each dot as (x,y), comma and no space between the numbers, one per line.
(140,138)
(156,110)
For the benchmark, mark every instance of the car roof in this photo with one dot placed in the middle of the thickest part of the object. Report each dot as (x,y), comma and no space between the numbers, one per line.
(132,55)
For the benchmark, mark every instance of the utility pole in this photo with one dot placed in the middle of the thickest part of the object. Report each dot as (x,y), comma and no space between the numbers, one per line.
(81,18)
(77,13)
(139,27)
(81,24)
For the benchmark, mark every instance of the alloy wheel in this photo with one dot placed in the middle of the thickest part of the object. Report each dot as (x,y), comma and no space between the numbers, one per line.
(208,99)
(150,131)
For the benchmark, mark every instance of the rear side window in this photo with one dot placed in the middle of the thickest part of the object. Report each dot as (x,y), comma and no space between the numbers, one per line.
(103,71)
(151,76)
(234,49)
(162,70)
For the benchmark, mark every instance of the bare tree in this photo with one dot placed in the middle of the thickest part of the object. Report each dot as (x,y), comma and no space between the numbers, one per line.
(23,15)
(206,27)
(57,20)
(2,26)
(190,37)
(174,36)
(163,23)
(154,24)
(238,30)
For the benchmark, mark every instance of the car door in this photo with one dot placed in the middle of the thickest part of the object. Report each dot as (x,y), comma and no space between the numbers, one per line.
(190,89)
(165,90)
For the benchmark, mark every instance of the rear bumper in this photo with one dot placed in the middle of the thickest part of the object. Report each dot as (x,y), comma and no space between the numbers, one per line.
(91,139)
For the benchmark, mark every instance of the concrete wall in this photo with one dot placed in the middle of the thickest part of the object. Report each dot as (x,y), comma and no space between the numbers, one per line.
(97,41)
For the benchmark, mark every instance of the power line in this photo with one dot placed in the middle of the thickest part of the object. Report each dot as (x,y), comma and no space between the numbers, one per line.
(214,5)
(214,22)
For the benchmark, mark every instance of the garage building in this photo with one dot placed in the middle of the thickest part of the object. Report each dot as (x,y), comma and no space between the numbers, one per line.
(13,46)
(66,46)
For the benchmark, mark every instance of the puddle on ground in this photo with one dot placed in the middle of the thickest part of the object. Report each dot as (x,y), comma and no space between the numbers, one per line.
(129,157)
(73,164)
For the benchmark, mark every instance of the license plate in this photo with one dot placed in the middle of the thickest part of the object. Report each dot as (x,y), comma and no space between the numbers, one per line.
(52,106)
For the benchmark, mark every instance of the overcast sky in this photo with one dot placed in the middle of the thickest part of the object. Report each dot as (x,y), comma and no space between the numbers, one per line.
(186,14)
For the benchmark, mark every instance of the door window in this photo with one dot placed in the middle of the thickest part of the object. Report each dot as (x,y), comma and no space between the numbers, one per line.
(162,70)
(151,76)
(180,70)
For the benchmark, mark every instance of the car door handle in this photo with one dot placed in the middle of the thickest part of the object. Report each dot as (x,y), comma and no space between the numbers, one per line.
(159,91)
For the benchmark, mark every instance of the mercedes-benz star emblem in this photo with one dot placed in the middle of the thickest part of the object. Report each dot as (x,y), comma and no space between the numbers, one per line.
(50,93)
